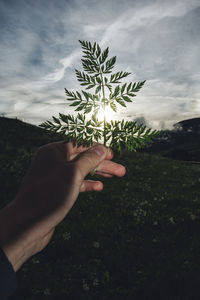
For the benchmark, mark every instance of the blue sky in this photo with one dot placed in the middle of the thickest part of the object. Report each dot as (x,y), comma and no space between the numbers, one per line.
(157,41)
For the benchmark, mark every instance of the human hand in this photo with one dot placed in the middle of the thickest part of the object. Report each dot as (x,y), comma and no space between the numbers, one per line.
(49,190)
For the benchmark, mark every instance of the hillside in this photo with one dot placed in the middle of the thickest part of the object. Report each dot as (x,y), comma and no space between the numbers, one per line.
(18,143)
(14,132)
(137,239)
(182,143)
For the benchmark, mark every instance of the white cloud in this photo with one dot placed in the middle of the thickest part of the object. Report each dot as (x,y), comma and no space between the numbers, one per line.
(58,74)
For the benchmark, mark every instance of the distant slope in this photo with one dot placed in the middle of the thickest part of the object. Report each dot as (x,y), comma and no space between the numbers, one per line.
(18,143)
(182,143)
(14,132)
(190,125)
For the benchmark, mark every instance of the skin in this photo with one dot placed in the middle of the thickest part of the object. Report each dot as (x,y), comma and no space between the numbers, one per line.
(49,190)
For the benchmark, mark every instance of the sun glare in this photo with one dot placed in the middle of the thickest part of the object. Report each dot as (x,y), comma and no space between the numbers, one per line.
(107,112)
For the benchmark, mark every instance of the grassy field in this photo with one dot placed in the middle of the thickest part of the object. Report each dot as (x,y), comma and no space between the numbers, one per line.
(137,239)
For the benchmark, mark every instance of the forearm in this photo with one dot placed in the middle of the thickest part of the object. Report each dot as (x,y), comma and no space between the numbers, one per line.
(18,238)
(16,251)
(12,241)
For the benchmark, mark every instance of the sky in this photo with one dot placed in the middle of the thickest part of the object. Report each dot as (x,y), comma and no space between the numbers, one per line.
(157,41)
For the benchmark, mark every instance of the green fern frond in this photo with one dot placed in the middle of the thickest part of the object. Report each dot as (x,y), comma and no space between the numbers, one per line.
(118,134)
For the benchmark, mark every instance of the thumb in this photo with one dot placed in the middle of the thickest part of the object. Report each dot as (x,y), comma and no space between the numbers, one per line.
(90,159)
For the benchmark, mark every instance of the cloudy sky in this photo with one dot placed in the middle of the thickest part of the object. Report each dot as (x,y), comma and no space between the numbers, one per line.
(157,41)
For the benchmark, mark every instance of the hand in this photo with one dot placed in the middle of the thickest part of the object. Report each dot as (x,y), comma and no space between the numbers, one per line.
(49,190)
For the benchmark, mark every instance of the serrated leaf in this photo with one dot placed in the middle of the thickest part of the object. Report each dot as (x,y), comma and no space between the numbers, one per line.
(109,87)
(92,78)
(137,86)
(56,120)
(104,56)
(75,103)
(97,89)
(142,129)
(98,52)
(79,95)
(110,64)
(68,93)
(90,86)
(131,94)
(85,94)
(98,79)
(81,107)
(123,88)
(113,106)
(121,102)
(94,48)
(112,77)
(84,83)
(128,87)
(116,91)
(80,117)
(88,109)
(126,98)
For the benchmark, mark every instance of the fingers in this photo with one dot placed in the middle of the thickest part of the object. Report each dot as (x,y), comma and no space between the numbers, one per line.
(70,151)
(73,150)
(103,174)
(62,151)
(88,160)
(107,167)
(90,185)
(109,154)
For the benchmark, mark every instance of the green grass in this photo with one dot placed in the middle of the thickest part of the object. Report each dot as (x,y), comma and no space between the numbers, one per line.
(137,239)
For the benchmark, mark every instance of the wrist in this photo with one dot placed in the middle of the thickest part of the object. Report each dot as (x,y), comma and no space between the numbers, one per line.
(20,239)
(15,244)
(17,252)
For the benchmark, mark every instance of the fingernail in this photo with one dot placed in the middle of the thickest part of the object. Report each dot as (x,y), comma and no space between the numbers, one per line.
(99,150)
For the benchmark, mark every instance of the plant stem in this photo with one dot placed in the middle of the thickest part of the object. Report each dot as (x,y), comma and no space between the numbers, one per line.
(104,106)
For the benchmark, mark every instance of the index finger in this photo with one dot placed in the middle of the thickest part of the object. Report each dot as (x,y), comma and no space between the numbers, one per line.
(73,150)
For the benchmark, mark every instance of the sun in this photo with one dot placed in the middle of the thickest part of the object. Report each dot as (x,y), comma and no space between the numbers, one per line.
(107,112)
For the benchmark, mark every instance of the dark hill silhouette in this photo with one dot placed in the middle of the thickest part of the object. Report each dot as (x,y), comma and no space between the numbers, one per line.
(18,143)
(14,133)
(190,125)
(183,142)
